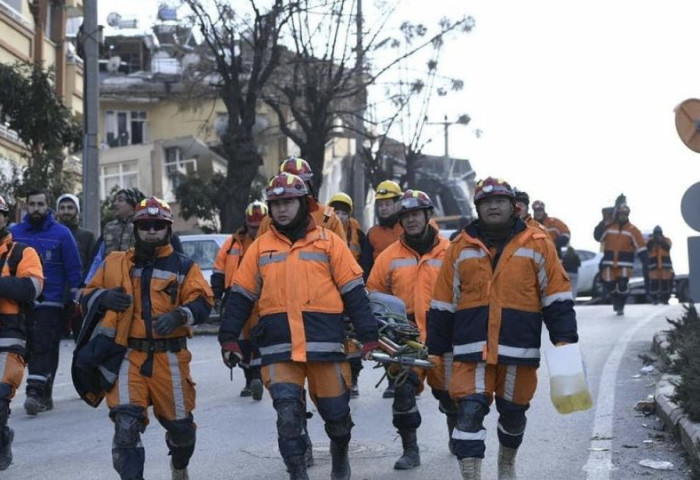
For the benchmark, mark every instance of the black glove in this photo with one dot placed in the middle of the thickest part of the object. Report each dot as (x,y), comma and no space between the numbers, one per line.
(115,299)
(231,354)
(167,323)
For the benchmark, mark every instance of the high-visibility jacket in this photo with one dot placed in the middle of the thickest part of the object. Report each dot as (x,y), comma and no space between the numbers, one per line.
(355,236)
(494,313)
(557,229)
(324,216)
(621,243)
(229,257)
(401,271)
(302,290)
(172,281)
(380,237)
(12,323)
(531,222)
(659,252)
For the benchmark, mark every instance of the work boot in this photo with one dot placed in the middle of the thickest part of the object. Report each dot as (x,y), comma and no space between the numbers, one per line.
(256,388)
(451,424)
(411,456)
(389,392)
(6,449)
(341,464)
(296,467)
(471,468)
(246,392)
(178,473)
(36,400)
(506,463)
(354,391)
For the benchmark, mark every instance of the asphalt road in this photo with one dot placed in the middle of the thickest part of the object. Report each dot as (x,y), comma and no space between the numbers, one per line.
(237,436)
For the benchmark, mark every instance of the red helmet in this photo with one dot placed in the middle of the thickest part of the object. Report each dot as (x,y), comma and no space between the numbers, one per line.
(153,208)
(412,200)
(286,185)
(538,205)
(492,187)
(254,213)
(3,206)
(297,166)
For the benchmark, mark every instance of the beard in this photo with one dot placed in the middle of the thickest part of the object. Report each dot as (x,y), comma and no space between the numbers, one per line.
(36,219)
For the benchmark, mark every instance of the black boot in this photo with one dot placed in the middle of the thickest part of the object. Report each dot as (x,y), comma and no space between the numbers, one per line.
(354,390)
(6,436)
(341,464)
(255,385)
(411,456)
(247,392)
(451,424)
(36,398)
(296,467)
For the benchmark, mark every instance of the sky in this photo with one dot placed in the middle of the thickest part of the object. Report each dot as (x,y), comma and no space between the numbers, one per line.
(575,102)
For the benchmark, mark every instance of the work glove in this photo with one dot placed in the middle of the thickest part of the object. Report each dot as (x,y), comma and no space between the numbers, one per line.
(368,348)
(115,299)
(231,353)
(166,323)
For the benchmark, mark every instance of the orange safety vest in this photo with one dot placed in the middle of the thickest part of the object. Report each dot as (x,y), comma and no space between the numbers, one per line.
(354,238)
(556,228)
(381,237)
(659,259)
(620,244)
(230,254)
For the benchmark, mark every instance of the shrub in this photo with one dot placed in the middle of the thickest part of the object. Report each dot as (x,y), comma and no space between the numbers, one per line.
(684,340)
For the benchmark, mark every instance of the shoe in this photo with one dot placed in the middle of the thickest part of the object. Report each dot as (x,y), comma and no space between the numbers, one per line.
(246,392)
(178,473)
(256,389)
(354,391)
(620,313)
(6,451)
(389,392)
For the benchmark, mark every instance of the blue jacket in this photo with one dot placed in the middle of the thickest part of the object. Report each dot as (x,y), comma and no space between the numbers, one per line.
(60,257)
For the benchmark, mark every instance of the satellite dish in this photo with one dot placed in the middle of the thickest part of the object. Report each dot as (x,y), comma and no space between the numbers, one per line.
(113,64)
(113,19)
(688,123)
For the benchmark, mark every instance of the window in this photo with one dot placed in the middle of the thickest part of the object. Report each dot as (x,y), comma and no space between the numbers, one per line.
(14,4)
(174,169)
(126,128)
(124,175)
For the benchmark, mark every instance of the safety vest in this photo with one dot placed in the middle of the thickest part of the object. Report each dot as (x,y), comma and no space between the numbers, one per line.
(620,244)
(556,228)
(659,256)
(381,237)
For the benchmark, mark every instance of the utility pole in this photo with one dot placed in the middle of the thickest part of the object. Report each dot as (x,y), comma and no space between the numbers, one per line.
(462,120)
(90,208)
(358,191)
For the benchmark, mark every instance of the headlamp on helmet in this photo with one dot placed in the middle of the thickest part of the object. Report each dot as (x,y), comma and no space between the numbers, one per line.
(492,187)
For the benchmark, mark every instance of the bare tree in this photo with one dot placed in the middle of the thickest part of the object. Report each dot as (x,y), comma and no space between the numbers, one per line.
(245,51)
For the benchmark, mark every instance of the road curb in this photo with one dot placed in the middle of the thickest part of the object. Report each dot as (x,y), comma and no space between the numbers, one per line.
(668,411)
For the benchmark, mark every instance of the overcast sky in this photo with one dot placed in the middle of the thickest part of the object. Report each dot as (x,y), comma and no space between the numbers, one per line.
(575,101)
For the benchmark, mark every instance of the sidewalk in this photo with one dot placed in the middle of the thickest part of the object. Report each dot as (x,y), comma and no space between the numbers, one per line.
(670,413)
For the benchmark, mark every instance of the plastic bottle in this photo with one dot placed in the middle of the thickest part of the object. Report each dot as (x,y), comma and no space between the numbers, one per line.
(568,387)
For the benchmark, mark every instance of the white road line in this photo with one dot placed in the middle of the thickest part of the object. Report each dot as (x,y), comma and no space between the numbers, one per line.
(599,465)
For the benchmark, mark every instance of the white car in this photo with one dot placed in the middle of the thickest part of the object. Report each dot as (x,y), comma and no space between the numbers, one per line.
(588,284)
(202,248)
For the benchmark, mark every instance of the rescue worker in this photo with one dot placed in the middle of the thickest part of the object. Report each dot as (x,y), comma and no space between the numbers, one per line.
(324,216)
(303,278)
(21,281)
(500,280)
(621,241)
(557,229)
(660,267)
(522,204)
(61,266)
(68,214)
(342,204)
(148,298)
(226,264)
(408,269)
(380,236)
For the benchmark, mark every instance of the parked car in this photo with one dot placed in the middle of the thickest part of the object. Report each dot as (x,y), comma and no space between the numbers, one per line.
(588,284)
(202,248)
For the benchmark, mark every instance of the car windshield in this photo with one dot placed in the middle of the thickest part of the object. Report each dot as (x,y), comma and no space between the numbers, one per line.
(203,252)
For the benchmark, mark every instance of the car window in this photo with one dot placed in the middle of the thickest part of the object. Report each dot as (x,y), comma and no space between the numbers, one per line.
(203,252)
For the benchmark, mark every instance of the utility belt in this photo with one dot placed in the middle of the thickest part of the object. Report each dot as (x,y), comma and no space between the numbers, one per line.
(158,345)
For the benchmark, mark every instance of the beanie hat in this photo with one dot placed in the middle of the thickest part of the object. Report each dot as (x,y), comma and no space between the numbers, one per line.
(70,197)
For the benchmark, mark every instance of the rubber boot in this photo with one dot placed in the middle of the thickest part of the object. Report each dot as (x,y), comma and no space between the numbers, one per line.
(471,468)
(451,424)
(6,447)
(506,463)
(296,467)
(35,398)
(178,473)
(411,456)
(340,469)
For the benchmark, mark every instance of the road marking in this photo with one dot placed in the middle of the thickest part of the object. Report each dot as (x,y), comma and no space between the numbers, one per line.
(599,464)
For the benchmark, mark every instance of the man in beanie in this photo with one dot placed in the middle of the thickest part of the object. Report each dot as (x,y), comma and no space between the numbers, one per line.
(68,213)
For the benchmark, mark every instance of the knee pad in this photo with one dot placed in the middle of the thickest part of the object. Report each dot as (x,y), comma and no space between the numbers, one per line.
(471,415)
(290,418)
(180,433)
(127,431)
(445,404)
(511,416)
(340,431)
(404,397)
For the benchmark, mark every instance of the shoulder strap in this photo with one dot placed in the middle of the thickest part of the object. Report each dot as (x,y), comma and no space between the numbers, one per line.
(16,253)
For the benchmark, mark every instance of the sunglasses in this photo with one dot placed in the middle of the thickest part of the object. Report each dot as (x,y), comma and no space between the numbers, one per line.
(146,226)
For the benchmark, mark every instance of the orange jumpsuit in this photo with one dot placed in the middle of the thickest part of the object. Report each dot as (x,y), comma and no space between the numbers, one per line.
(660,268)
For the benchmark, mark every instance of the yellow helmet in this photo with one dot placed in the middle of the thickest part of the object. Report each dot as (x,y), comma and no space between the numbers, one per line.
(388,189)
(341,197)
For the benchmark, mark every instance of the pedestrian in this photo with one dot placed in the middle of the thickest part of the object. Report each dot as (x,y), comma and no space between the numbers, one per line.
(571,262)
(61,265)
(621,242)
(21,282)
(522,204)
(303,278)
(558,230)
(144,301)
(408,269)
(68,214)
(356,240)
(324,216)
(500,280)
(660,267)
(227,261)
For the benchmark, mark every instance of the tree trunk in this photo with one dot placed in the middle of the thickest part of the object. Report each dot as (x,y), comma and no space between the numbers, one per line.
(243,164)
(314,152)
